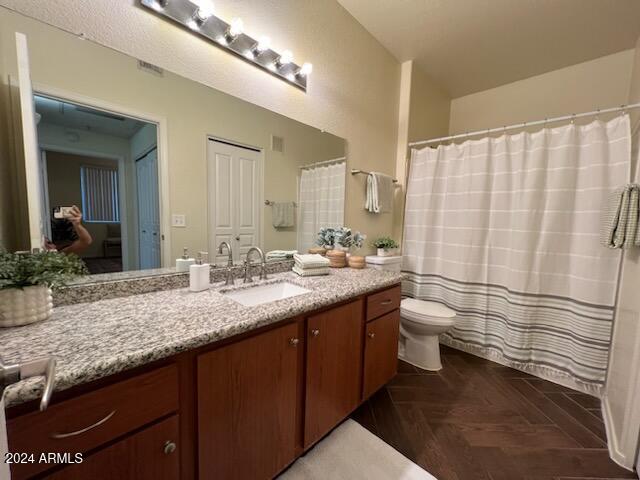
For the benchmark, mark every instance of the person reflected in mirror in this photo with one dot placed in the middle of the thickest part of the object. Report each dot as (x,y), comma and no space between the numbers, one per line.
(68,233)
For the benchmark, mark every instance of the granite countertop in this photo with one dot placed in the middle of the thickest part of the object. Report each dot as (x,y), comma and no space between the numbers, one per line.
(97,339)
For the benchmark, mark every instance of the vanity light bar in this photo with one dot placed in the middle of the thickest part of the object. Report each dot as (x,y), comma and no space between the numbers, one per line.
(198,17)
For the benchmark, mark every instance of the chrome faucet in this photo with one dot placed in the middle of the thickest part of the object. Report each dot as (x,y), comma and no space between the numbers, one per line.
(247,265)
(229,279)
(12,373)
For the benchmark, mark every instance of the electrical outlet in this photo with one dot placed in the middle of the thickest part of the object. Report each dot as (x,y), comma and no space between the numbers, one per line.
(178,220)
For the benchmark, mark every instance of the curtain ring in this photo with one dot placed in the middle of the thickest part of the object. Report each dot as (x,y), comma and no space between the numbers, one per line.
(573,118)
(624,110)
(598,114)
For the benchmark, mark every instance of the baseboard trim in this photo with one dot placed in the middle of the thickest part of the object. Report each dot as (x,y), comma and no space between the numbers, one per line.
(612,440)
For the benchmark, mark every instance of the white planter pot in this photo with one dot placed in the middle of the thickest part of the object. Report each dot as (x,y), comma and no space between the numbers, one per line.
(21,306)
(387,252)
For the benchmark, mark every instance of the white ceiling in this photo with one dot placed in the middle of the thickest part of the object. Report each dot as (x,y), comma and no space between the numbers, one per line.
(468,46)
(69,115)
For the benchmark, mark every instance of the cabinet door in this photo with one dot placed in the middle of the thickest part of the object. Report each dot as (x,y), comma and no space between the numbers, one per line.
(247,405)
(151,454)
(334,368)
(380,352)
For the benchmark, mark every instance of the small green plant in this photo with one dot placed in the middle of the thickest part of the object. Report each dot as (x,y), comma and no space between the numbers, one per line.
(343,236)
(53,269)
(385,242)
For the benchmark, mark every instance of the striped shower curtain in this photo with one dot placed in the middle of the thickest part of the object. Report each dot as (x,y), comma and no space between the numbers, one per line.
(506,232)
(320,202)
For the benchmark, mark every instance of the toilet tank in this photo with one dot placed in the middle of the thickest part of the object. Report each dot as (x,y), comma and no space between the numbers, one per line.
(392,264)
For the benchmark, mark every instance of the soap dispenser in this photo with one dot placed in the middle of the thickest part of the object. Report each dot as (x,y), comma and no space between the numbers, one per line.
(199,274)
(183,263)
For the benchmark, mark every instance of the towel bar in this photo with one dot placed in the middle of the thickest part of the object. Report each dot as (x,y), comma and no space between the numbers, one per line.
(363,172)
(271,202)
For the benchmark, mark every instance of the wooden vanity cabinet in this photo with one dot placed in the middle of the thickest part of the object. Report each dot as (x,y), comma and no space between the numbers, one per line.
(148,455)
(380,352)
(333,370)
(244,408)
(248,401)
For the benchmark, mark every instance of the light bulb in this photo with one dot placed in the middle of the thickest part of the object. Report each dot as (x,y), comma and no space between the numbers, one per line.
(264,44)
(158,5)
(306,69)
(204,10)
(236,28)
(286,57)
(193,24)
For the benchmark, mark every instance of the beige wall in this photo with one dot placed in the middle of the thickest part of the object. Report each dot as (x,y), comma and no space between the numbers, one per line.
(353,92)
(63,171)
(423,113)
(191,110)
(622,393)
(599,83)
(430,108)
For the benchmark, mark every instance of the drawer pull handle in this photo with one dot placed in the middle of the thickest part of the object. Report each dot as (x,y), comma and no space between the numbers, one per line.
(294,341)
(386,302)
(169,447)
(371,335)
(315,332)
(59,436)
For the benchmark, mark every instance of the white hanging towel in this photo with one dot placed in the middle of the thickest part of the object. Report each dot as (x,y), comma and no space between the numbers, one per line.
(379,193)
(283,214)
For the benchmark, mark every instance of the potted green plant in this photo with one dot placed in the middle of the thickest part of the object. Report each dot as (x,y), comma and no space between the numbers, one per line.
(26,280)
(326,238)
(386,246)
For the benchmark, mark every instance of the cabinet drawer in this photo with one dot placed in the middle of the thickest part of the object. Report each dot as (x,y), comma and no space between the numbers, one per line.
(90,420)
(151,454)
(383,302)
(380,352)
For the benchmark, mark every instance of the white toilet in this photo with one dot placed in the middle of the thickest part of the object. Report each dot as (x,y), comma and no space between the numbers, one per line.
(420,324)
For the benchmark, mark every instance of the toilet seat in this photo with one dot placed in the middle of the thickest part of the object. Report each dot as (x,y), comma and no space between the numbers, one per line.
(425,312)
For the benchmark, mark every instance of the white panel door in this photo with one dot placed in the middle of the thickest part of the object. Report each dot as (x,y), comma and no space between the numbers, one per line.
(148,211)
(30,143)
(234,198)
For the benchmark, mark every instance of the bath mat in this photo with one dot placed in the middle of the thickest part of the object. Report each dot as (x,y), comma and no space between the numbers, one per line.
(351,452)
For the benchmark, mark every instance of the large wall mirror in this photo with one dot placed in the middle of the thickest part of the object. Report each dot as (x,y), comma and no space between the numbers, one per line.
(126,164)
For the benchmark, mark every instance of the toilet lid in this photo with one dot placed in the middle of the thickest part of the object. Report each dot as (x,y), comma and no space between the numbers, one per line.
(421,309)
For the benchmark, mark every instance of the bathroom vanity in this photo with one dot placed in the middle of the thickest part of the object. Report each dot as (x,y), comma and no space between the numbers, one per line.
(173,384)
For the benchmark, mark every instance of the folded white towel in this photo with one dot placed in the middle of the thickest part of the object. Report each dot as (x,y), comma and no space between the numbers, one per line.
(281,254)
(283,214)
(379,193)
(311,260)
(311,272)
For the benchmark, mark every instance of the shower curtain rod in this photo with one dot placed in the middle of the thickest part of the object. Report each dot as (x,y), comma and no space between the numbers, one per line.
(317,164)
(516,126)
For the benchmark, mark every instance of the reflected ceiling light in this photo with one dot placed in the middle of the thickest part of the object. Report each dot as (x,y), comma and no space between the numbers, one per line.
(199,16)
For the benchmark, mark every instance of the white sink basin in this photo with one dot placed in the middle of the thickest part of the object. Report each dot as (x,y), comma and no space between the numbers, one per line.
(260,294)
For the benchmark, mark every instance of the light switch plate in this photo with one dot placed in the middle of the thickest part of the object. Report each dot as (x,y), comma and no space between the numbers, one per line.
(178,220)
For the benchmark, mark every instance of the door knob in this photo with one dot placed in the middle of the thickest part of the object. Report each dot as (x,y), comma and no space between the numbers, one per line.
(371,335)
(315,332)
(294,341)
(238,238)
(169,447)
